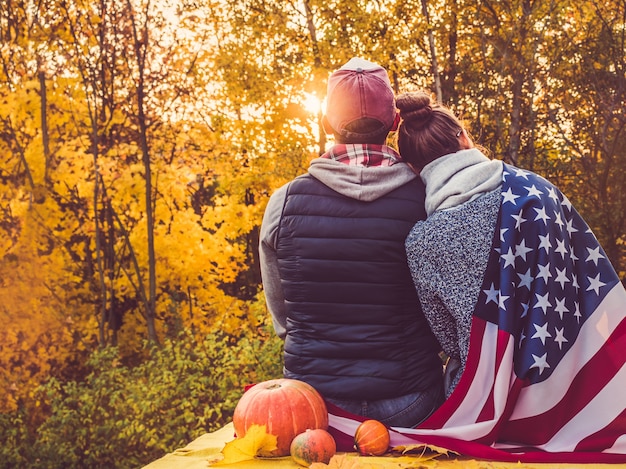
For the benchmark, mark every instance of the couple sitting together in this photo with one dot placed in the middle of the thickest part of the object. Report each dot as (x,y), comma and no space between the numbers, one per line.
(378,263)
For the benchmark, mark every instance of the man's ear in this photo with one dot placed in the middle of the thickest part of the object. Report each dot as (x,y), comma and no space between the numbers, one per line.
(396,122)
(327,128)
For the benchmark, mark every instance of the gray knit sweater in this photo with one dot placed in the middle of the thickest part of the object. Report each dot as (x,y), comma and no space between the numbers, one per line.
(448,252)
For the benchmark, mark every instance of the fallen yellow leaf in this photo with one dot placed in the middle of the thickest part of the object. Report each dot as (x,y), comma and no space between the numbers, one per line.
(338,461)
(255,441)
(355,461)
(421,448)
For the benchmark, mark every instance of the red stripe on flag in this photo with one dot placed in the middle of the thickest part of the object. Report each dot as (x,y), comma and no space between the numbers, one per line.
(344,434)
(590,380)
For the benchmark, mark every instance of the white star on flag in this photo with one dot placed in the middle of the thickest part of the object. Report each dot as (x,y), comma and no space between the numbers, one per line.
(492,294)
(561,276)
(544,242)
(595,284)
(533,191)
(509,197)
(560,307)
(561,249)
(594,255)
(541,333)
(540,362)
(560,338)
(521,250)
(542,302)
(544,272)
(518,220)
(509,258)
(542,215)
(525,279)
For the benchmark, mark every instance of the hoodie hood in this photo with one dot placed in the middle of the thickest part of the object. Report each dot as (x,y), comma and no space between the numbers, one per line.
(457,178)
(359,182)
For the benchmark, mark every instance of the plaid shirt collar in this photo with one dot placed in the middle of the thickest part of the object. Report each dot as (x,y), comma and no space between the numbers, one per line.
(363,154)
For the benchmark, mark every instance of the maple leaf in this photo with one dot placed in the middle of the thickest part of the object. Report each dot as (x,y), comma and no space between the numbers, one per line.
(354,461)
(338,461)
(421,448)
(255,441)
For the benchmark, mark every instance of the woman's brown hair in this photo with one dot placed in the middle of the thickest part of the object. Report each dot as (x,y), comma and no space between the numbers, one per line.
(427,130)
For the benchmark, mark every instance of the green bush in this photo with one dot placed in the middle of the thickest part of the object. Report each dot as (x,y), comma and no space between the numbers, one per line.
(125,417)
(15,440)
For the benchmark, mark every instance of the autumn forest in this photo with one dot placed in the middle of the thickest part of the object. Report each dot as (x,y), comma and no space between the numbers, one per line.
(141,139)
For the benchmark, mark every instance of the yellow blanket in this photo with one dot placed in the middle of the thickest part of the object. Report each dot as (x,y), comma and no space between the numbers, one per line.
(207,448)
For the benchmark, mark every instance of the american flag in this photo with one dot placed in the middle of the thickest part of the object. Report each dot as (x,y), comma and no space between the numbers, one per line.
(545,379)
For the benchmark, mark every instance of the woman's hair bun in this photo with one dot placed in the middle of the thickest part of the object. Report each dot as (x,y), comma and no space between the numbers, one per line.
(415,109)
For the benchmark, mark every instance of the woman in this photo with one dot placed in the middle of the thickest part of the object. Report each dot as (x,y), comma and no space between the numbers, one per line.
(463,196)
(517,289)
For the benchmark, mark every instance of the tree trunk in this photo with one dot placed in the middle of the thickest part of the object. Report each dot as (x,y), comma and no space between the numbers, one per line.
(512,153)
(317,63)
(102,338)
(433,53)
(448,85)
(44,126)
(141,45)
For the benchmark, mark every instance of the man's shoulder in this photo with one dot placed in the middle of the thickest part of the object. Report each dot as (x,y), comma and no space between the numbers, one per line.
(306,183)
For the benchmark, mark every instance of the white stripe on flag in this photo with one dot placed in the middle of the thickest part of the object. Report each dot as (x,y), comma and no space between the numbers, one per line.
(343,424)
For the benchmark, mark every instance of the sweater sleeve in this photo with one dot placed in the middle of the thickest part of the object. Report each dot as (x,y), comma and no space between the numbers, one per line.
(431,290)
(270,276)
(437,313)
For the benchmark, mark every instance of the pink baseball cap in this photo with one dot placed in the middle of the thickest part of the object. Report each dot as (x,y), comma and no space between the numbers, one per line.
(359,89)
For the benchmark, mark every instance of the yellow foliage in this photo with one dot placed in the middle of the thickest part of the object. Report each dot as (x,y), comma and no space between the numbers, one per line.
(43,327)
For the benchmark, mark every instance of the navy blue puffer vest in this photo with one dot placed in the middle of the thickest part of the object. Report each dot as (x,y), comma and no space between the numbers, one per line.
(355,329)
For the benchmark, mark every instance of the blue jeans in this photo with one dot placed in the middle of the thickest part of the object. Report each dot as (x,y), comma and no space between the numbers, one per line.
(406,411)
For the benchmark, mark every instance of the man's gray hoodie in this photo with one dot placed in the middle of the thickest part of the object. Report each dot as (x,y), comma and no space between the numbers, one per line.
(356,182)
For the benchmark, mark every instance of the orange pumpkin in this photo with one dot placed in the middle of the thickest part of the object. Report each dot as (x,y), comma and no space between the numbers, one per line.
(371,438)
(287,407)
(313,446)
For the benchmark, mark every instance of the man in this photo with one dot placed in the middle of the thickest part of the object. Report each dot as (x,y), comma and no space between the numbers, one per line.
(334,268)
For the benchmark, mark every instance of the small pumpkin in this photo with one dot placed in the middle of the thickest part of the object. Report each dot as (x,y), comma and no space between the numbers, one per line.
(371,438)
(287,407)
(313,446)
